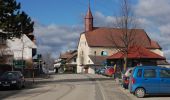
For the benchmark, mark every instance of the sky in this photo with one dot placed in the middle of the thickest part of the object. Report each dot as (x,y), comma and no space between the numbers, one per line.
(58,23)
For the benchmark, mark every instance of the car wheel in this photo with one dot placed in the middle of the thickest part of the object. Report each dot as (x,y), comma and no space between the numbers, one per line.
(140,92)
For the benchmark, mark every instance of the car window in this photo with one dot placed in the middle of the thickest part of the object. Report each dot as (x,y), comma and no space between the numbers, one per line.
(9,75)
(139,74)
(164,73)
(149,73)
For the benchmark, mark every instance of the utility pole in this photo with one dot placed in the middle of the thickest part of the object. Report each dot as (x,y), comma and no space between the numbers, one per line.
(22,60)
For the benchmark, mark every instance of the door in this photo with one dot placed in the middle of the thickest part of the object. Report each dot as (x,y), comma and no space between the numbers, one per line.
(150,81)
(86,70)
(165,81)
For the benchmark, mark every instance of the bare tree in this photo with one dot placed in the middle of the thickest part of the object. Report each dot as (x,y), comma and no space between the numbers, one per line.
(49,60)
(126,24)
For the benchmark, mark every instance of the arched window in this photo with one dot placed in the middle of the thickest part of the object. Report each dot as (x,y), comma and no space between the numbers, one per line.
(104,53)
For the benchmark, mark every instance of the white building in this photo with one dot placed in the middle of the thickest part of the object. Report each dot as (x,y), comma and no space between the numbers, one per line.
(22,47)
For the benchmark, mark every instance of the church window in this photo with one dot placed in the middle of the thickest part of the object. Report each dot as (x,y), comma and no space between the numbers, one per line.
(104,53)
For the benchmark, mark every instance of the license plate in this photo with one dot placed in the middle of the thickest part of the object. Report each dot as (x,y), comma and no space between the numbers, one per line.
(6,84)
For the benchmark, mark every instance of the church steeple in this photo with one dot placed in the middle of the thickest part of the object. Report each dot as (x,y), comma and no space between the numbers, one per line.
(89,20)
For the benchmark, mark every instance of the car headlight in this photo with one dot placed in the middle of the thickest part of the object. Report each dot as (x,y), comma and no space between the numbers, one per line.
(13,82)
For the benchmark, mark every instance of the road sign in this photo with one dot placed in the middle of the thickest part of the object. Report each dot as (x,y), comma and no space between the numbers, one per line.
(19,63)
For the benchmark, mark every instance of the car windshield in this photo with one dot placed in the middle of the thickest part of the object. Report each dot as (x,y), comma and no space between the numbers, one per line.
(9,75)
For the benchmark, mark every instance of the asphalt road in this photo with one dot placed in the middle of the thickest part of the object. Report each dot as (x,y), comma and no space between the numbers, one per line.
(74,87)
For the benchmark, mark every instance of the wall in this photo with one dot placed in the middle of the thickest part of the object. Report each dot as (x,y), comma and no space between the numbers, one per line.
(17,45)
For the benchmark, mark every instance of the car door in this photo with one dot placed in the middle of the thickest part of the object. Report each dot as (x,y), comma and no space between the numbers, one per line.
(150,81)
(165,81)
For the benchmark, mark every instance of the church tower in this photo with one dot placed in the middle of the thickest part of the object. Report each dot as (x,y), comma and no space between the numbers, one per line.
(88,20)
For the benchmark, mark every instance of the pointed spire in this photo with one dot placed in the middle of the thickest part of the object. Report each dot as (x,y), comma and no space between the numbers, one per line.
(89,13)
(89,20)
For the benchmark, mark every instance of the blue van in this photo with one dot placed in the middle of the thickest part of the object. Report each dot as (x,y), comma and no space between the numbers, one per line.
(149,80)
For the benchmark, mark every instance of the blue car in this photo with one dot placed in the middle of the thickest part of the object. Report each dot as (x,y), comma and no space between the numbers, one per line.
(149,80)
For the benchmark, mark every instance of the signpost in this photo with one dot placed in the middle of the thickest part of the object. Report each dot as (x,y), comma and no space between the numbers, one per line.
(19,64)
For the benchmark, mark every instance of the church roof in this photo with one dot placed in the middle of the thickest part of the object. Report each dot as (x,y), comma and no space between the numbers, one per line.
(111,37)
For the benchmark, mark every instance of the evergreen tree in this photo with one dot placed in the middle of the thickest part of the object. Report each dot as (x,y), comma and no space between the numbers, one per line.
(12,21)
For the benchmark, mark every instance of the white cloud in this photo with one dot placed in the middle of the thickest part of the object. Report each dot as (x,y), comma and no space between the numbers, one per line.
(103,21)
(164,29)
(156,13)
(156,10)
(56,39)
(153,7)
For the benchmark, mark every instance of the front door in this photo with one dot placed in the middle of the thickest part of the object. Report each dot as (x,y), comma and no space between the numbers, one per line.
(86,70)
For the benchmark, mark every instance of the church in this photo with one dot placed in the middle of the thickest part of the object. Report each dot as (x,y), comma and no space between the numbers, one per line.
(95,44)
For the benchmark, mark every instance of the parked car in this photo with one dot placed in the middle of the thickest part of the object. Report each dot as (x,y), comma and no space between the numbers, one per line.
(149,80)
(125,77)
(12,79)
(109,71)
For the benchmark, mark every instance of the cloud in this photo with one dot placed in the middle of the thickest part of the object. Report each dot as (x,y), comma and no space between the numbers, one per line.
(100,20)
(56,39)
(156,13)
(156,10)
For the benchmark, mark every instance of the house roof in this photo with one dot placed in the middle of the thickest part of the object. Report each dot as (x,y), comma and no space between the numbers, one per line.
(111,37)
(98,60)
(137,52)
(69,55)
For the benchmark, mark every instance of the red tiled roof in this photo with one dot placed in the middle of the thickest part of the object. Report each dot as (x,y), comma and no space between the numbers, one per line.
(98,60)
(137,52)
(155,44)
(68,54)
(108,37)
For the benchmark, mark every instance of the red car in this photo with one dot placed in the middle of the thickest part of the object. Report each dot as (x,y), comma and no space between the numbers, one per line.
(109,71)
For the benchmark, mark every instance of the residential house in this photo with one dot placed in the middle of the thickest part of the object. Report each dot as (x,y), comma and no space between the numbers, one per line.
(96,44)
(23,49)
(67,62)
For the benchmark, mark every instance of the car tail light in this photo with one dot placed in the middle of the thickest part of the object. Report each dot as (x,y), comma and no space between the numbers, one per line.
(133,80)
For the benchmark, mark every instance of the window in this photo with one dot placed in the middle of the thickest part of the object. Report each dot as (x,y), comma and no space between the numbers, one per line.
(149,73)
(164,73)
(139,74)
(104,53)
(74,59)
(95,53)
